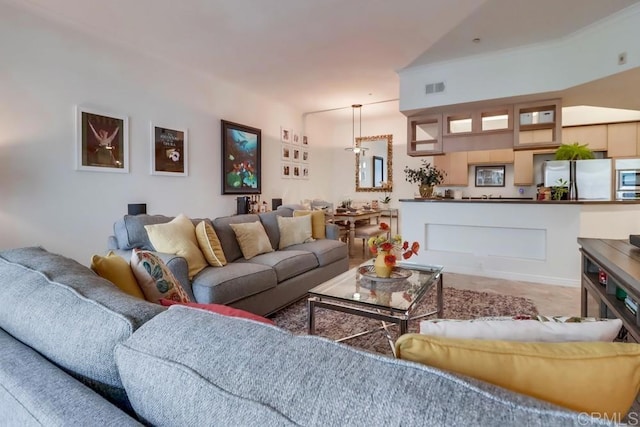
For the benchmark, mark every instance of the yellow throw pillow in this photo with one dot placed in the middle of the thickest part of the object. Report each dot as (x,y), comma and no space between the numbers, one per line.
(178,237)
(293,230)
(252,238)
(210,244)
(118,271)
(593,377)
(317,223)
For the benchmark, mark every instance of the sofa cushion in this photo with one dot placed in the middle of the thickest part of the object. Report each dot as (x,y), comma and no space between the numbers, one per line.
(210,244)
(69,314)
(232,282)
(220,309)
(318,222)
(275,378)
(326,251)
(178,237)
(155,278)
(270,222)
(294,231)
(588,377)
(117,270)
(130,232)
(227,236)
(286,264)
(34,392)
(252,239)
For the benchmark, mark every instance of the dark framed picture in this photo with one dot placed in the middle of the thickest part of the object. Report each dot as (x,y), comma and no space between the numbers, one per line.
(241,151)
(490,176)
(102,141)
(168,151)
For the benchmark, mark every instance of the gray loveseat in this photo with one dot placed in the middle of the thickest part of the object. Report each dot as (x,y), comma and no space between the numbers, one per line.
(76,351)
(263,284)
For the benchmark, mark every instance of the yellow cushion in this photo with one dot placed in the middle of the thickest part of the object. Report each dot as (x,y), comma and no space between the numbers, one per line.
(210,245)
(178,237)
(252,238)
(317,223)
(118,271)
(294,230)
(592,377)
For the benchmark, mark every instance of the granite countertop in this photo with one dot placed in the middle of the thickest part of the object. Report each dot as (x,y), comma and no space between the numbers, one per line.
(521,200)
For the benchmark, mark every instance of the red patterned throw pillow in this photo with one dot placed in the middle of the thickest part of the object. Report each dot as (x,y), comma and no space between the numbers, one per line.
(221,309)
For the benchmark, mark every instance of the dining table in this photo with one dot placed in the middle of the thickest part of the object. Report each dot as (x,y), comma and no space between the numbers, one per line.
(351,217)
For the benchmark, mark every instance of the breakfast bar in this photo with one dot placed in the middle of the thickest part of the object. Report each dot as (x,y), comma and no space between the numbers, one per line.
(515,239)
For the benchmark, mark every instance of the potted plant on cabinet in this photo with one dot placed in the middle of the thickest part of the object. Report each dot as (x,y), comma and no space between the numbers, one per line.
(573,152)
(427,176)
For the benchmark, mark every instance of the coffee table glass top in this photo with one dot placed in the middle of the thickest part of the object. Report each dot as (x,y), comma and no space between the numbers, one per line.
(401,295)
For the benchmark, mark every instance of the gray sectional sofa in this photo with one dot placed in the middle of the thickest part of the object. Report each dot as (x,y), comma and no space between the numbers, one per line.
(77,351)
(261,285)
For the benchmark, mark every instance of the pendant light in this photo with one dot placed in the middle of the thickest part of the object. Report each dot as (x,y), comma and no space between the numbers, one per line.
(354,148)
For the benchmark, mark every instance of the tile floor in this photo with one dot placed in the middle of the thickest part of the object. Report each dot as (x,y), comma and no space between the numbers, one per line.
(549,299)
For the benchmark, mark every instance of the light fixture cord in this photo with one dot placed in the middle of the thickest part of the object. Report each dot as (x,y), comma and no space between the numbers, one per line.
(353,126)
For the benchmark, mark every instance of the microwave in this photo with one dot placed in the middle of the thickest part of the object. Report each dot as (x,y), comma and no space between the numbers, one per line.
(628,180)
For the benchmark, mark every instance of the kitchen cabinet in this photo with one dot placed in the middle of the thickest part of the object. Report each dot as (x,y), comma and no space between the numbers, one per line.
(503,156)
(424,135)
(623,139)
(455,166)
(595,136)
(537,124)
(523,167)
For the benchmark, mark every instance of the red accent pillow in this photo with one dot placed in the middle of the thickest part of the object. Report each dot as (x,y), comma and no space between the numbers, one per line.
(220,309)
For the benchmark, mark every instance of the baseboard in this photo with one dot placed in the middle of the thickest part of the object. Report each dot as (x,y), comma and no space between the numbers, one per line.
(520,277)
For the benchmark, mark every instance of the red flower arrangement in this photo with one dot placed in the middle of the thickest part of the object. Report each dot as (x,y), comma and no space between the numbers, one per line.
(390,246)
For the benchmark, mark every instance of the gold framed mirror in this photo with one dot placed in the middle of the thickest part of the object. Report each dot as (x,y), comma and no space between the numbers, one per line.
(375,164)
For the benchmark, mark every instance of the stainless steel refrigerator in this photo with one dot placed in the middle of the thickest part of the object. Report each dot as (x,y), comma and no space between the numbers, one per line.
(593,177)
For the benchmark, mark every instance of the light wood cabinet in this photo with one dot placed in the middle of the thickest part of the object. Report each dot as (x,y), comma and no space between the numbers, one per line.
(537,124)
(523,167)
(456,168)
(623,140)
(424,135)
(502,156)
(595,136)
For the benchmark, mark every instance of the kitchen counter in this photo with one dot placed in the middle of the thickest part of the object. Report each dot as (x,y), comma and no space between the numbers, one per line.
(524,200)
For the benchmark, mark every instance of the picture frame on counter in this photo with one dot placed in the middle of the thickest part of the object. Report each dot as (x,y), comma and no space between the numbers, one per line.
(490,176)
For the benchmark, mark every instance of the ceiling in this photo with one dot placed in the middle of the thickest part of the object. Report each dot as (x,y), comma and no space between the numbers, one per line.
(321,54)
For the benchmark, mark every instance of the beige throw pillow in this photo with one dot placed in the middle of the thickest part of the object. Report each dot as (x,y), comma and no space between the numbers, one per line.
(155,279)
(317,223)
(178,237)
(210,245)
(294,230)
(252,238)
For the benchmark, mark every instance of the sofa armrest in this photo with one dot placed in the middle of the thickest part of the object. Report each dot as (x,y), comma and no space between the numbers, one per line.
(176,264)
(332,231)
(112,243)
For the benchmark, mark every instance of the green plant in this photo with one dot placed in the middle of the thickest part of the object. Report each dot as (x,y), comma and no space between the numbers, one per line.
(425,174)
(574,151)
(387,190)
(560,189)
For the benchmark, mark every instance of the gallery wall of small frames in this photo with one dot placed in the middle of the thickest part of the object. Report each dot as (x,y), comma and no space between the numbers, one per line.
(294,154)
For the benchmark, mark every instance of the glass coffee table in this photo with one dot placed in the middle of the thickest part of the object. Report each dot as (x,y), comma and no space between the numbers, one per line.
(360,293)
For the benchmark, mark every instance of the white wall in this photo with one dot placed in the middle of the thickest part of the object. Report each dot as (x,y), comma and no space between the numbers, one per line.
(46,70)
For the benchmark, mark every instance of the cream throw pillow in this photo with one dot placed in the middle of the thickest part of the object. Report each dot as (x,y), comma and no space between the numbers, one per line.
(317,223)
(294,230)
(178,237)
(252,238)
(210,245)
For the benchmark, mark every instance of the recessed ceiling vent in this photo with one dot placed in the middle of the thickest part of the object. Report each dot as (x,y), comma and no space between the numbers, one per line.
(435,87)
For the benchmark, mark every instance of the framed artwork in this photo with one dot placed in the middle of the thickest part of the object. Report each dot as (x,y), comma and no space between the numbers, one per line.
(378,171)
(305,141)
(285,135)
(169,154)
(296,157)
(296,137)
(305,171)
(241,151)
(490,176)
(296,172)
(102,141)
(285,170)
(305,156)
(286,152)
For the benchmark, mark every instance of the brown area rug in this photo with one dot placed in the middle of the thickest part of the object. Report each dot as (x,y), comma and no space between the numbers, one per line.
(458,304)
